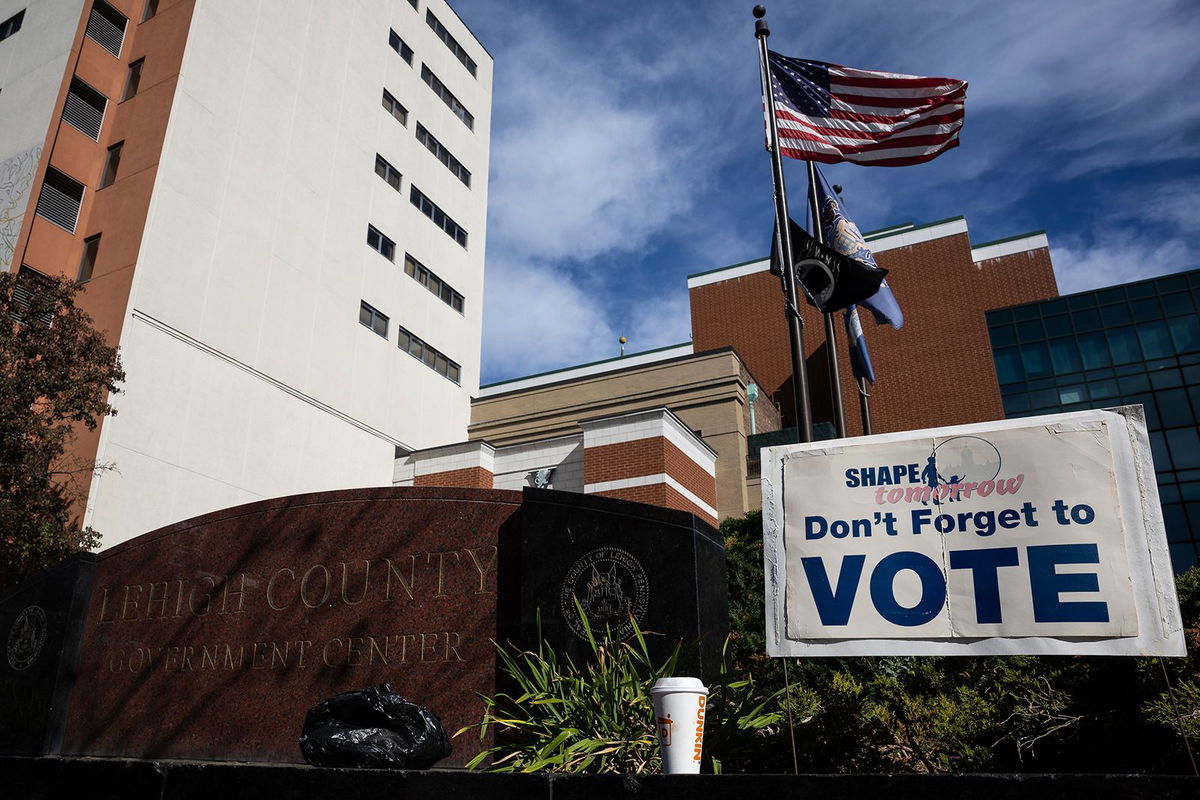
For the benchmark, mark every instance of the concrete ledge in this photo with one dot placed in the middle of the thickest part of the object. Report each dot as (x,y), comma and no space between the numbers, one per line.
(48,777)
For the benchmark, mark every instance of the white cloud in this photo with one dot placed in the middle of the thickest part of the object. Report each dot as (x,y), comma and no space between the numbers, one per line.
(1116,257)
(660,321)
(1143,235)
(538,318)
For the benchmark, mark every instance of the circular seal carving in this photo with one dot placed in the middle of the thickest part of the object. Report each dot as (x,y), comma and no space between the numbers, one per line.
(26,637)
(612,588)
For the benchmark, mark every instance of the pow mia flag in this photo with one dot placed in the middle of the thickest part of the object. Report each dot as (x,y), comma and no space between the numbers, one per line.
(830,280)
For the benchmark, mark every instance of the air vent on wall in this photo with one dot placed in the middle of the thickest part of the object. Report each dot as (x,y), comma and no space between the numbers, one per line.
(106,27)
(84,109)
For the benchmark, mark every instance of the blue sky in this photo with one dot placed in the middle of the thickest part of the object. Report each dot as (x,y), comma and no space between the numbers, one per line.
(627,148)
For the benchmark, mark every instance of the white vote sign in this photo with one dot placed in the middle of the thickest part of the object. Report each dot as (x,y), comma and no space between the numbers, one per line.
(1040,535)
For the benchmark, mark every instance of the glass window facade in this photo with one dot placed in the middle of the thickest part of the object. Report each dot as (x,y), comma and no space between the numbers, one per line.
(1137,343)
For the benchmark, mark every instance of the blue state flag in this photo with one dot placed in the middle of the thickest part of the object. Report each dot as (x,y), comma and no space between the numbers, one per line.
(860,359)
(842,235)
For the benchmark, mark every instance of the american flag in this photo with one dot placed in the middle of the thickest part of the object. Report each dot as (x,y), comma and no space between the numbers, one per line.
(829,113)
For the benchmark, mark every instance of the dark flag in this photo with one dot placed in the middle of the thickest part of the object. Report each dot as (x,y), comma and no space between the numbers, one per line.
(840,232)
(830,280)
(830,113)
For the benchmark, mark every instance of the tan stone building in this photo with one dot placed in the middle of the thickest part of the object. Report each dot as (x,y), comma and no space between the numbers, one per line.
(937,370)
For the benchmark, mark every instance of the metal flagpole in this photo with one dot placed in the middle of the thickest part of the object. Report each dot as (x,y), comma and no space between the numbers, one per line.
(864,406)
(864,395)
(831,357)
(795,323)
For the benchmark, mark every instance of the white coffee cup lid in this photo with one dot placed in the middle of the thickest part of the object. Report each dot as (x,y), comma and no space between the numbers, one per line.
(679,685)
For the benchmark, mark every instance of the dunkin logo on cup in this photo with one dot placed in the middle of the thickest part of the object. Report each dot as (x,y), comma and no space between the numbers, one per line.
(699,729)
(664,729)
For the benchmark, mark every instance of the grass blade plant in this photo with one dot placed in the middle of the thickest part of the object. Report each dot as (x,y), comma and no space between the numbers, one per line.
(559,717)
(599,717)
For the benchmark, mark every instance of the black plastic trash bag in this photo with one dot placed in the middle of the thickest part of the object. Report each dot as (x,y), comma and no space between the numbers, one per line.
(373,728)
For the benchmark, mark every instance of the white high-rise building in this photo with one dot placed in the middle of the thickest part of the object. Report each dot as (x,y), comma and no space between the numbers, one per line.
(277,209)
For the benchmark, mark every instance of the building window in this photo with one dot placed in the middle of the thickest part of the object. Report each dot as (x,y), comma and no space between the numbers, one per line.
(394,108)
(430,209)
(87,262)
(449,99)
(400,46)
(29,283)
(111,164)
(84,109)
(151,10)
(443,155)
(106,27)
(386,171)
(450,41)
(429,356)
(421,274)
(60,199)
(380,243)
(11,25)
(412,3)
(133,79)
(370,317)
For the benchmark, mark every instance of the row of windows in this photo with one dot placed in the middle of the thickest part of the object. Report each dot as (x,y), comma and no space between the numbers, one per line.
(372,318)
(1165,407)
(380,243)
(450,41)
(393,177)
(400,46)
(430,209)
(1115,346)
(394,108)
(1147,309)
(429,356)
(447,97)
(422,275)
(386,171)
(443,155)
(11,25)
(406,52)
(1163,288)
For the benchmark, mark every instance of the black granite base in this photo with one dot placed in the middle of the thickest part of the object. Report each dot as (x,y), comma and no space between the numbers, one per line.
(618,559)
(40,624)
(49,778)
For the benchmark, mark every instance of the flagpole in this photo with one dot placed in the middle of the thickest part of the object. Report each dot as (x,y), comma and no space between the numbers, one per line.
(831,357)
(795,323)
(864,406)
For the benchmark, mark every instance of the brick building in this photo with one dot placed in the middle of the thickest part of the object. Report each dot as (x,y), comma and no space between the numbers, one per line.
(733,380)
(936,370)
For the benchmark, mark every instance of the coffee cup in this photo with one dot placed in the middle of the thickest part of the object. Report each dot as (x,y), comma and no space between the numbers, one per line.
(679,705)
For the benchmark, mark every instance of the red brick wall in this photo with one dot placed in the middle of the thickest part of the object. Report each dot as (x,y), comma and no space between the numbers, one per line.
(659,494)
(649,456)
(937,370)
(469,478)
